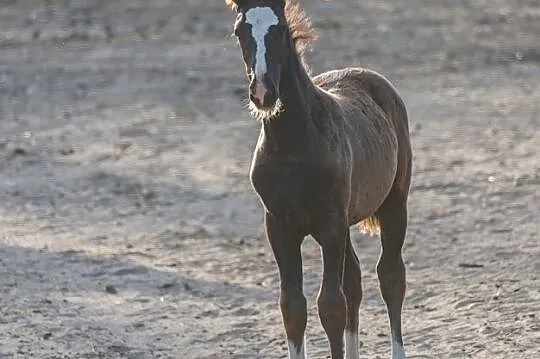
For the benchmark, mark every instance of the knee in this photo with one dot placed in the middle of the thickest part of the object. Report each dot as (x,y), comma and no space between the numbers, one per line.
(332,310)
(293,303)
(294,311)
(331,301)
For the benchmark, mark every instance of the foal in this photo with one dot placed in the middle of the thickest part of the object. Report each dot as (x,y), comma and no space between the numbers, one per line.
(333,151)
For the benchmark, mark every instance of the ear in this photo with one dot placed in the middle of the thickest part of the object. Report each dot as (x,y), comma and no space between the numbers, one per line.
(233,4)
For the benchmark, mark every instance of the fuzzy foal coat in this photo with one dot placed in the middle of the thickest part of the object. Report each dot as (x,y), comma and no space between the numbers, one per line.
(362,122)
(333,152)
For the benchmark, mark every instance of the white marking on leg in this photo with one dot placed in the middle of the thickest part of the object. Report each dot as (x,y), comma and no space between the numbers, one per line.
(294,353)
(351,345)
(398,352)
(260,19)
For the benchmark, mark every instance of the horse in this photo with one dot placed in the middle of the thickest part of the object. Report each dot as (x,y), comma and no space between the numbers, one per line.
(333,151)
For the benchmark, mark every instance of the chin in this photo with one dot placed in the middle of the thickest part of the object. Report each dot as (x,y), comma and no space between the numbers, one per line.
(265,112)
(265,107)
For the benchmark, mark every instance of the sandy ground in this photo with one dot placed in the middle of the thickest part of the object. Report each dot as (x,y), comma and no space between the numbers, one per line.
(128,228)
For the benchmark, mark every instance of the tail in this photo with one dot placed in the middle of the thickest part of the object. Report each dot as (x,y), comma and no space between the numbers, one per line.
(370,226)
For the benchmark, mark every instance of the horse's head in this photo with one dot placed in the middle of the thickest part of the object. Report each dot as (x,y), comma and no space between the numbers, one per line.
(262,32)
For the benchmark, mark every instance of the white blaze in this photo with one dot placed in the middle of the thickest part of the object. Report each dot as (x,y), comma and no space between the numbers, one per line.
(260,19)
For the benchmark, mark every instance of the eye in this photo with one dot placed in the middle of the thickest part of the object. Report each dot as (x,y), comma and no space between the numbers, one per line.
(277,30)
(239,29)
(238,24)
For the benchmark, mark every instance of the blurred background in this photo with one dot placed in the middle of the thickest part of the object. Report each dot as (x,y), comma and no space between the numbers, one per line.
(128,227)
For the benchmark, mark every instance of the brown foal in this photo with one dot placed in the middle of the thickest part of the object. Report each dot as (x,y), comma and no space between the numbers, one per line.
(333,151)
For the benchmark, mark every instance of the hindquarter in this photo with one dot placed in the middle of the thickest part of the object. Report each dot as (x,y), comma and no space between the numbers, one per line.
(375,163)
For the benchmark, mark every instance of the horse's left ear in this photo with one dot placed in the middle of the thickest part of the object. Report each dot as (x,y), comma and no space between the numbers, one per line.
(280,3)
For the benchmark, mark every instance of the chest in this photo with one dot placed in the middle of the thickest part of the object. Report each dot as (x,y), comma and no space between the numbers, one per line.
(296,189)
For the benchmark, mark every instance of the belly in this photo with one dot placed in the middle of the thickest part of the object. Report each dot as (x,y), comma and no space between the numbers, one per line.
(372,179)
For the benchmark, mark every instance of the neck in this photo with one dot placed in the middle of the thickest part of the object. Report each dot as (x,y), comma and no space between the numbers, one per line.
(288,126)
(296,87)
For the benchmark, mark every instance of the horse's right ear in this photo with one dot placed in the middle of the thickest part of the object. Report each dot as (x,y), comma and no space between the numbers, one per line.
(233,4)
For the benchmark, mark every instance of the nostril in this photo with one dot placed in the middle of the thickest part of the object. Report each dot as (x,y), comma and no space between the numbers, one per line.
(254,99)
(270,95)
(252,86)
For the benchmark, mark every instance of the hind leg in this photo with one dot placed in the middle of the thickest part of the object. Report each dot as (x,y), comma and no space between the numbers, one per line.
(352,288)
(391,271)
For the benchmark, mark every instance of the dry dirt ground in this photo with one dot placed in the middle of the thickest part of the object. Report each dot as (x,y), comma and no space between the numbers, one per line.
(128,228)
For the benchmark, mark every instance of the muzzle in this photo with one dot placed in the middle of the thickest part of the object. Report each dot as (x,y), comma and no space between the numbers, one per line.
(261,93)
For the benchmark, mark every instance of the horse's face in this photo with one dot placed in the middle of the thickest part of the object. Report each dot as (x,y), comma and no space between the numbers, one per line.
(262,31)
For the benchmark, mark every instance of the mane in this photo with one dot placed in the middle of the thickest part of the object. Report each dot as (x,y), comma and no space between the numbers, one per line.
(299,23)
(300,27)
